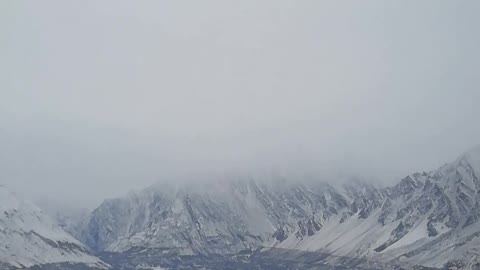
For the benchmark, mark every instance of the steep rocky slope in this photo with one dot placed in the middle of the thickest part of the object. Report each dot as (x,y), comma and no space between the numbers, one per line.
(426,219)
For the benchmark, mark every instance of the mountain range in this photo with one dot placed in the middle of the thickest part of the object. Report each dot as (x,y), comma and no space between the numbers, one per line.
(426,220)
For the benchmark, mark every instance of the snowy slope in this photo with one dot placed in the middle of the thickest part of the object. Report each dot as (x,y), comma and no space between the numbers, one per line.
(427,218)
(29,237)
(224,217)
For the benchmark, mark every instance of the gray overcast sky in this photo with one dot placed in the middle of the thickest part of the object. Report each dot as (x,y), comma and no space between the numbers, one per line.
(99,97)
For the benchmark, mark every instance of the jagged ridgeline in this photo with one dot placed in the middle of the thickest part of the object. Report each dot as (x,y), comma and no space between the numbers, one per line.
(428,219)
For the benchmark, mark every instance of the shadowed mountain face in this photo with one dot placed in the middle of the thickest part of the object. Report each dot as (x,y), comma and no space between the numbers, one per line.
(226,218)
(426,219)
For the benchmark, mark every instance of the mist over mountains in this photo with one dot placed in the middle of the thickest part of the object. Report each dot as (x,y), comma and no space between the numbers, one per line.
(223,134)
(427,219)
(221,86)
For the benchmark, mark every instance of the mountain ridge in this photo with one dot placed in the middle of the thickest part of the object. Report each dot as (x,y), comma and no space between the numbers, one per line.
(395,224)
(427,219)
(29,237)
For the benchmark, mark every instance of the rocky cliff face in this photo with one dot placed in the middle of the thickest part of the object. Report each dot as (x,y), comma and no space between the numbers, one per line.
(226,218)
(427,218)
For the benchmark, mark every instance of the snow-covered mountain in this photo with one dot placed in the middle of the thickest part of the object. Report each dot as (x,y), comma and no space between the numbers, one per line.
(429,219)
(29,237)
(220,217)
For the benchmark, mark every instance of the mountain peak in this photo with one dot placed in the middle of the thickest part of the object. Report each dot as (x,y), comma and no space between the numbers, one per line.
(471,158)
(8,200)
(32,237)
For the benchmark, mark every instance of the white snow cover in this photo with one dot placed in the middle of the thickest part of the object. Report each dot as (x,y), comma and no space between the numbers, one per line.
(426,219)
(29,237)
(359,237)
